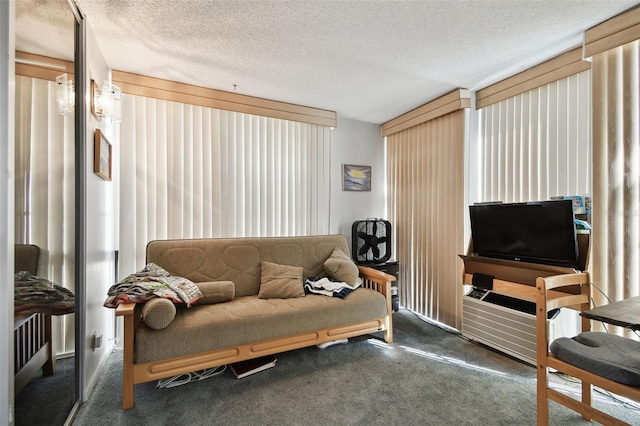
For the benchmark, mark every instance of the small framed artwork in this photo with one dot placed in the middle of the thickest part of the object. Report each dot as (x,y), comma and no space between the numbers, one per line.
(94,92)
(102,156)
(356,178)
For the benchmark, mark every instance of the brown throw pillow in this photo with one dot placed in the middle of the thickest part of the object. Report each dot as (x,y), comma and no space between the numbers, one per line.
(158,313)
(280,281)
(216,292)
(340,267)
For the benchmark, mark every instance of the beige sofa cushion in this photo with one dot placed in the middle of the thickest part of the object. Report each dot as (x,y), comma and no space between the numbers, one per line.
(340,267)
(158,313)
(280,281)
(216,291)
(248,319)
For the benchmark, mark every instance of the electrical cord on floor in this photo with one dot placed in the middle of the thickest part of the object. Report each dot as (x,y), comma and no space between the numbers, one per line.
(627,404)
(195,376)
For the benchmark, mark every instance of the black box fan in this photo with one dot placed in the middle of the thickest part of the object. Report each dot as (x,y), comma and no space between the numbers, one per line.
(371,241)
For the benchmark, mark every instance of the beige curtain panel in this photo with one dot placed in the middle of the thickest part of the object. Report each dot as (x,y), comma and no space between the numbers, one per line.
(614,48)
(616,173)
(425,169)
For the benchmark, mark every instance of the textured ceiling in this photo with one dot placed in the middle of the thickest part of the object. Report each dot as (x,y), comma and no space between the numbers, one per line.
(367,60)
(45,28)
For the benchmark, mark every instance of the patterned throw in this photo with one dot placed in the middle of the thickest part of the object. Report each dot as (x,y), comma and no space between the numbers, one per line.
(152,281)
(35,295)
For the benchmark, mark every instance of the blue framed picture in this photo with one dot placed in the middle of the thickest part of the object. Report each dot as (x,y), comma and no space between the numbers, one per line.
(356,178)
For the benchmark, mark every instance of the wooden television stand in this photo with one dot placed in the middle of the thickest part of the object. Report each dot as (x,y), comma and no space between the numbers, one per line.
(505,319)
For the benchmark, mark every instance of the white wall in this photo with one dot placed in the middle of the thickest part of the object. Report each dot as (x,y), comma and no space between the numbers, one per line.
(359,143)
(7,99)
(101,231)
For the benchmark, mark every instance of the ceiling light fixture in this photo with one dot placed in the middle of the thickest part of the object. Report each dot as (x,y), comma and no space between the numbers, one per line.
(65,95)
(105,102)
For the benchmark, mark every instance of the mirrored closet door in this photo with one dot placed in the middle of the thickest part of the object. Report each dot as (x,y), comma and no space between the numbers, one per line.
(45,389)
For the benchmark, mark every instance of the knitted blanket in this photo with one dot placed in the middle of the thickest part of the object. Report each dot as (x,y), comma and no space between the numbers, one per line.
(152,281)
(35,294)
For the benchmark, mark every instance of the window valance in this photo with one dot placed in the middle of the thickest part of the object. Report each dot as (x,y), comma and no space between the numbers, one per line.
(453,101)
(167,90)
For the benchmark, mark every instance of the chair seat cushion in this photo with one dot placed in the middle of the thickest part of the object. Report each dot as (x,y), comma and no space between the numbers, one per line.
(608,355)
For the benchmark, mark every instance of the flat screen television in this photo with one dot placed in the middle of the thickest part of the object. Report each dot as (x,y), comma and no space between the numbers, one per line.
(536,232)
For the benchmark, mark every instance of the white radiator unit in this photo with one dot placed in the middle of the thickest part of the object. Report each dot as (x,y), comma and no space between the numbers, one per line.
(507,330)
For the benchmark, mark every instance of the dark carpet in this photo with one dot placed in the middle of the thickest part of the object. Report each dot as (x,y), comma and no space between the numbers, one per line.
(47,401)
(428,376)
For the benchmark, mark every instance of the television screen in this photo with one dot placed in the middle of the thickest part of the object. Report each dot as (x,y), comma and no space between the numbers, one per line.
(536,232)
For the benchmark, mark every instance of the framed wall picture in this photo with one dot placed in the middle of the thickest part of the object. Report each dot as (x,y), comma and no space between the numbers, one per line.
(94,91)
(102,156)
(356,178)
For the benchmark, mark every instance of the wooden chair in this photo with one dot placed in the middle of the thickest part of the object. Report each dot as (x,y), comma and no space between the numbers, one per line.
(569,291)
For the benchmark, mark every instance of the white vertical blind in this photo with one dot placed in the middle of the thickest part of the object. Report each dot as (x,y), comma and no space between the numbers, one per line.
(616,190)
(196,172)
(44,191)
(537,144)
(425,172)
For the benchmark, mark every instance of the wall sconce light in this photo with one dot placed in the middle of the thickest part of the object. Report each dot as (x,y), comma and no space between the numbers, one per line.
(65,95)
(105,102)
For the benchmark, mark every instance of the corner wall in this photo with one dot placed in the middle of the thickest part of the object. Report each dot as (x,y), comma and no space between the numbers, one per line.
(358,143)
(100,212)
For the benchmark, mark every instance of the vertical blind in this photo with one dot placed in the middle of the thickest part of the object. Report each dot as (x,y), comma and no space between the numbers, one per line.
(44,192)
(425,169)
(195,172)
(537,144)
(616,177)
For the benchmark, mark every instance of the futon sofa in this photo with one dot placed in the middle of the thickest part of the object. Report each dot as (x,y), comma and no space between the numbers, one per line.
(254,304)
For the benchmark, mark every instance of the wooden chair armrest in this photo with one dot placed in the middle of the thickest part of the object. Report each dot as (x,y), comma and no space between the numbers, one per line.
(125,309)
(376,280)
(564,280)
(374,273)
(131,315)
(380,282)
(566,290)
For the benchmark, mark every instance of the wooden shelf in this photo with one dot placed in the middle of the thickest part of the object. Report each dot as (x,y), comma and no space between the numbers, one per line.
(510,270)
(517,290)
